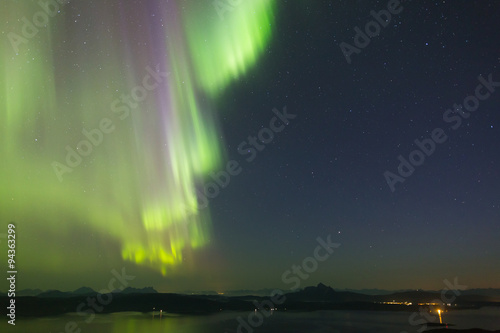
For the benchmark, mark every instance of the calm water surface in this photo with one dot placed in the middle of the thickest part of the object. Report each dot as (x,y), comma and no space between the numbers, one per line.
(313,322)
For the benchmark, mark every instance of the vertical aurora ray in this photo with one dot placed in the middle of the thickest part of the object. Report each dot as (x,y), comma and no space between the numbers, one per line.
(19,95)
(223,48)
(137,188)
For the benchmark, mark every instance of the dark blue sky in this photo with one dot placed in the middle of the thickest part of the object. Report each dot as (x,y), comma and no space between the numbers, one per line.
(324,173)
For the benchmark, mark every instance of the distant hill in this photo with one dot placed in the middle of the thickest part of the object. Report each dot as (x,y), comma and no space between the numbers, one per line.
(29,292)
(130,290)
(491,292)
(55,294)
(320,297)
(199,292)
(323,293)
(318,292)
(238,292)
(374,291)
(84,291)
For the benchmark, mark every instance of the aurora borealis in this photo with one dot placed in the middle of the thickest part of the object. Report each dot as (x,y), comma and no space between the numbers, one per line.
(116,114)
(116,137)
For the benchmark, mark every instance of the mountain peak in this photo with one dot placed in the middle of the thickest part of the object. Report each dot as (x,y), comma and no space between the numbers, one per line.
(83,291)
(322,286)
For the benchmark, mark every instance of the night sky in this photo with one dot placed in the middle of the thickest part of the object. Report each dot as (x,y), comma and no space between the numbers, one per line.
(207,81)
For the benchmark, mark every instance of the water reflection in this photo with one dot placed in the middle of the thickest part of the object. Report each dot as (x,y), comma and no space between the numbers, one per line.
(138,323)
(225,322)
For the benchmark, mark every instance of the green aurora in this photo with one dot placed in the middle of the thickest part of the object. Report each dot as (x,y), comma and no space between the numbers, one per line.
(131,190)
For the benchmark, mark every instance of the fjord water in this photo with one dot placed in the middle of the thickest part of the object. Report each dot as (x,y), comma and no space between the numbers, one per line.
(311,322)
